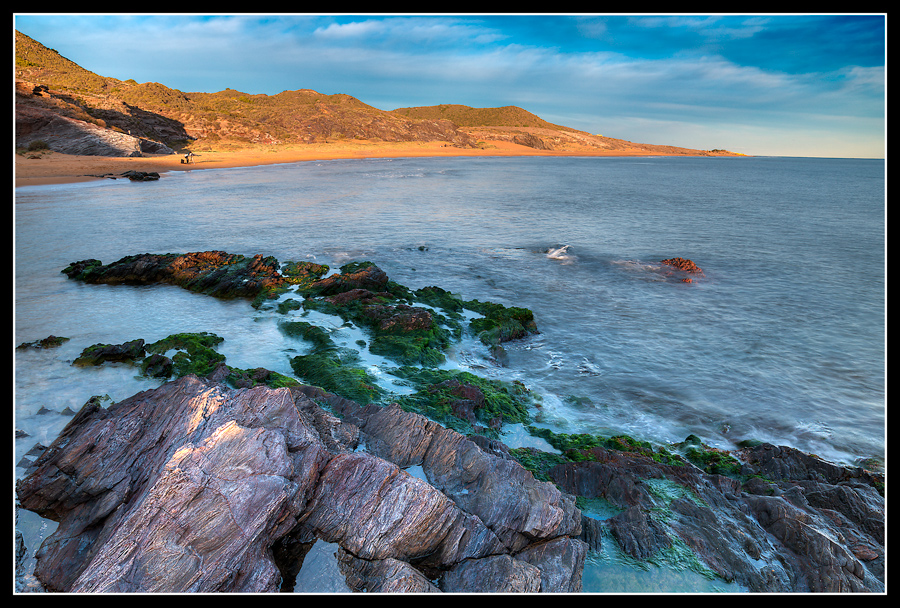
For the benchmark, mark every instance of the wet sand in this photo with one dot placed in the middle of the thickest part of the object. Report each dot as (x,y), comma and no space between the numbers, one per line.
(55,167)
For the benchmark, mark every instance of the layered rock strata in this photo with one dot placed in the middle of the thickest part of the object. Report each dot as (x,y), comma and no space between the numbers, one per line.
(190,487)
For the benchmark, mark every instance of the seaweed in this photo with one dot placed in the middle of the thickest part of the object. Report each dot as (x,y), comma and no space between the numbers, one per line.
(336,370)
(709,459)
(195,352)
(500,323)
(463,401)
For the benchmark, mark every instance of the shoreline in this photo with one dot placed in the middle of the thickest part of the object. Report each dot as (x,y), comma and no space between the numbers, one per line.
(59,168)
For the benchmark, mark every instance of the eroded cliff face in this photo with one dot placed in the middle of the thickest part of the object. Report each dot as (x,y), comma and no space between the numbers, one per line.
(71,136)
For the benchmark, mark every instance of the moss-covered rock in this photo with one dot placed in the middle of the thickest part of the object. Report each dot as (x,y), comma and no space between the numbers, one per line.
(248,378)
(537,461)
(96,354)
(303,274)
(337,370)
(463,401)
(157,366)
(288,305)
(405,334)
(355,275)
(315,335)
(196,354)
(408,335)
(709,459)
(48,342)
(579,447)
(500,323)
(214,273)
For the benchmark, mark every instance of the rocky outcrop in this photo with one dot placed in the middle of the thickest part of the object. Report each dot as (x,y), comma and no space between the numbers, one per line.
(338,467)
(681,267)
(48,342)
(781,521)
(71,136)
(197,487)
(361,293)
(354,277)
(194,487)
(215,273)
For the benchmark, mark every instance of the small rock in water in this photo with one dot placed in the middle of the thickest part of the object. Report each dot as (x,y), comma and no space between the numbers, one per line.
(683,264)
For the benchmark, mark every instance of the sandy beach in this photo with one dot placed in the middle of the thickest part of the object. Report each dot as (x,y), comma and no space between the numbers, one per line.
(55,167)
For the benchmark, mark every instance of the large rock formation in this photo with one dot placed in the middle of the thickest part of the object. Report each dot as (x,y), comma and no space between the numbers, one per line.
(71,136)
(195,487)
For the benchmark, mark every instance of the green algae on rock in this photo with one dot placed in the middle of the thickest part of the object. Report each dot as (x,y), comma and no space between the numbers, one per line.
(361,292)
(97,354)
(413,329)
(580,442)
(500,323)
(48,342)
(194,354)
(214,273)
(463,401)
(709,459)
(337,370)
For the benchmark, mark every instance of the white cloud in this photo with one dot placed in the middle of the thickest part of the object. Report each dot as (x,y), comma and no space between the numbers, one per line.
(419,60)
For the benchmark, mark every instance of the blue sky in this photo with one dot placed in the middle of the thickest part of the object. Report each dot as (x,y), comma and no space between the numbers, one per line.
(762,84)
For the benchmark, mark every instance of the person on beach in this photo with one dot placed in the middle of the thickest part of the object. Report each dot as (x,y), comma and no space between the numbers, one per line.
(189,158)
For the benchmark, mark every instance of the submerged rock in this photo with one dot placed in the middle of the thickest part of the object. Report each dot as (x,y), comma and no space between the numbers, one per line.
(781,521)
(681,267)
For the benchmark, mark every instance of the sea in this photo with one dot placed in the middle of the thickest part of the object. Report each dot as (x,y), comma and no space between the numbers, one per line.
(781,339)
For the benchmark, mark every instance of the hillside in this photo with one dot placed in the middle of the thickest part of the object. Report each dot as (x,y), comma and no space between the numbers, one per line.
(49,86)
(465,116)
(73,110)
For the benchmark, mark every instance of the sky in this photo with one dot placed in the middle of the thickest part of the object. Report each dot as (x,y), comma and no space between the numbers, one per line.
(759,84)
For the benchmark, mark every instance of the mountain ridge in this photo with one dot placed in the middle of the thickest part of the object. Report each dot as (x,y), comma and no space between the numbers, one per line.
(161,119)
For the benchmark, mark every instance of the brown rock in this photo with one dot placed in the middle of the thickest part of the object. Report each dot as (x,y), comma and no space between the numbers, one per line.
(215,273)
(683,265)
(195,460)
(369,277)
(494,574)
(383,576)
(193,487)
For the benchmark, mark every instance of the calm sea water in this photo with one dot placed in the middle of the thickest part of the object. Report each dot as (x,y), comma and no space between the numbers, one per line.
(782,341)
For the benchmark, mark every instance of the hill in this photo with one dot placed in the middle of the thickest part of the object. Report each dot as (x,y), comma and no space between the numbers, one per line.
(70,109)
(465,116)
(52,91)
